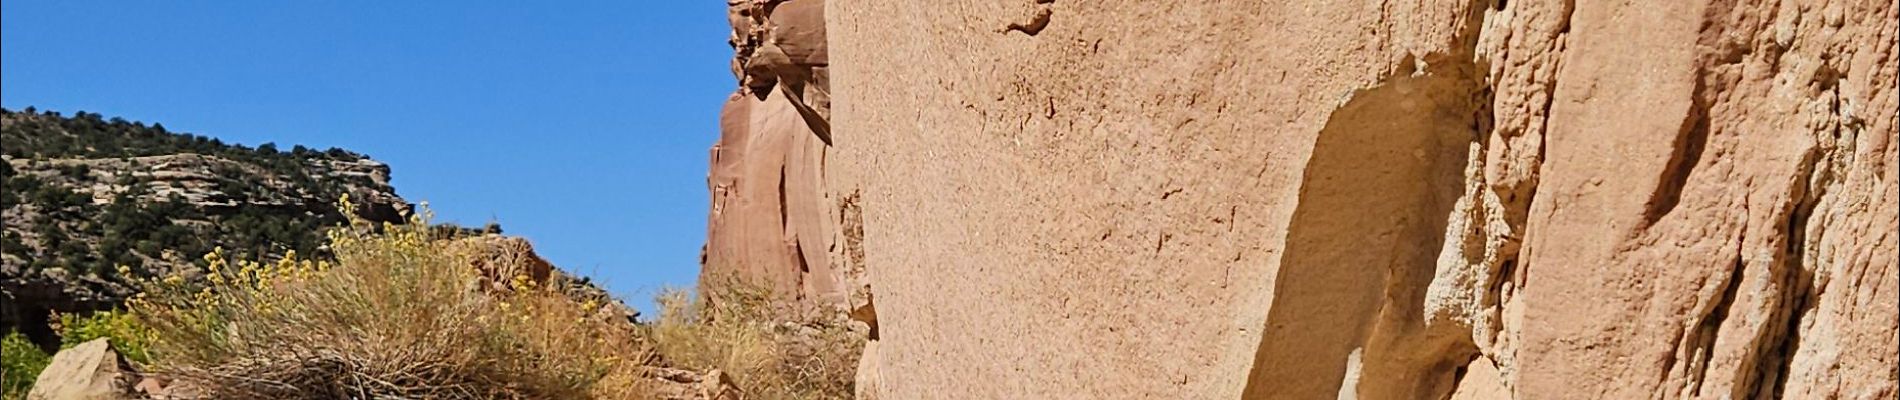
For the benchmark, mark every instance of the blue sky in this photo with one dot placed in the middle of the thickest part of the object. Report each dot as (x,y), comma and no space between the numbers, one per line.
(582,126)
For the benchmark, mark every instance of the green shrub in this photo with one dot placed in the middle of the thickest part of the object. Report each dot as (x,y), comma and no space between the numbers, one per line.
(20,362)
(125,333)
(24,360)
(257,173)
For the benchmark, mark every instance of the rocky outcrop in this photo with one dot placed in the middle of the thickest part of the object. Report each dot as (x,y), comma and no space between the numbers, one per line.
(1409,199)
(503,259)
(777,223)
(506,261)
(89,371)
(779,220)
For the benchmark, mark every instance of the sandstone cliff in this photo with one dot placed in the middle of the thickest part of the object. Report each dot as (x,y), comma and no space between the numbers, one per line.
(776,224)
(1408,199)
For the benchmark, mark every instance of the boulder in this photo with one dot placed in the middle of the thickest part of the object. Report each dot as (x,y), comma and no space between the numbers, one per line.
(716,385)
(90,371)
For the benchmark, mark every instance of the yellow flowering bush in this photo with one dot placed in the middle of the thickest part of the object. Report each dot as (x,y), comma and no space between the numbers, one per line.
(126,335)
(394,315)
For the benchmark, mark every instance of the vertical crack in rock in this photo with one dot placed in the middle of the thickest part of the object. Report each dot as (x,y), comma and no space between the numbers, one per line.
(851,227)
(1685,370)
(1688,145)
(1718,52)
(1782,338)
(1525,53)
(1732,350)
(1774,351)
(784,207)
(1703,339)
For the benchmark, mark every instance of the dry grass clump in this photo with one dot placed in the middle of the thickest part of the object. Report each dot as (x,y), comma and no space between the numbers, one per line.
(394,316)
(771,351)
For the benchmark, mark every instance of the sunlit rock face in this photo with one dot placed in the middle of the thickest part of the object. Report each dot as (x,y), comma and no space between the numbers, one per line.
(1289,199)
(779,223)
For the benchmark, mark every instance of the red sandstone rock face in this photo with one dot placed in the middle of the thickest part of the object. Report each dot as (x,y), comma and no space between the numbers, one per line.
(776,224)
(1410,199)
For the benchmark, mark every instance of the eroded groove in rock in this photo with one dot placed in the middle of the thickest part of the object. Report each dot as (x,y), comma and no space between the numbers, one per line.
(1702,339)
(1688,145)
(1523,43)
(1436,316)
(1362,247)
(1770,372)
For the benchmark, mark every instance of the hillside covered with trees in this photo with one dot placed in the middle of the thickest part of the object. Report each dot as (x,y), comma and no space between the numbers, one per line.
(93,202)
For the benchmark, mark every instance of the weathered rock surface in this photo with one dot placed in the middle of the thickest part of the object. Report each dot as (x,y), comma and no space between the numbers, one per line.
(776,224)
(90,371)
(1408,199)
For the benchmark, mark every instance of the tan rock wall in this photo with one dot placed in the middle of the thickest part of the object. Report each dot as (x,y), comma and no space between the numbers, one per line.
(1410,199)
(775,224)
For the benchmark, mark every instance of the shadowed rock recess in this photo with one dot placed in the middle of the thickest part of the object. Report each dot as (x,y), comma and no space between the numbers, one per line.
(1471,199)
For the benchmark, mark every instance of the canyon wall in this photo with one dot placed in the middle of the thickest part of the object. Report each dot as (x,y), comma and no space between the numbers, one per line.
(775,226)
(1398,199)
(1279,199)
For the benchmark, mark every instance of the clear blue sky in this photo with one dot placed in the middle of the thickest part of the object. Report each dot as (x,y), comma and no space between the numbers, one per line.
(581,125)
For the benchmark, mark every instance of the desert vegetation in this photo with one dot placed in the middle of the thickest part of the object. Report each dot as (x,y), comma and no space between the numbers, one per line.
(23,360)
(20,362)
(396,311)
(55,221)
(392,314)
(775,350)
